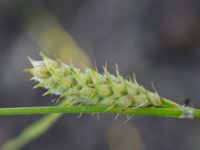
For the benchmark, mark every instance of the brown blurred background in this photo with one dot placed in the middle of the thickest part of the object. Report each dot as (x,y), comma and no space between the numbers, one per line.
(157,40)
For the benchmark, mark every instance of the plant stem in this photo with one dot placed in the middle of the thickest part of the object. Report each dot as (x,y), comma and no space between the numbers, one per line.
(155,111)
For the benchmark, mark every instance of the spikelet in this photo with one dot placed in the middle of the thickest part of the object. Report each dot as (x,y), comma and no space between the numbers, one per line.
(89,88)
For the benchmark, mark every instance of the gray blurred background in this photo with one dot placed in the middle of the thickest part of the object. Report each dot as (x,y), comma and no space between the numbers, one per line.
(157,40)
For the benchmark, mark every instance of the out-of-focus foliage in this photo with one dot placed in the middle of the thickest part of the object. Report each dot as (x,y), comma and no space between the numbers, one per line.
(46,31)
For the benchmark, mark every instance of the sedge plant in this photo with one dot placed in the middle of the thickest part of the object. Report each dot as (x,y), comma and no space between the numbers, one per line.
(87,91)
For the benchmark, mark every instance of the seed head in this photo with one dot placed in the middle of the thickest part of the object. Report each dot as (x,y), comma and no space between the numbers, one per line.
(88,87)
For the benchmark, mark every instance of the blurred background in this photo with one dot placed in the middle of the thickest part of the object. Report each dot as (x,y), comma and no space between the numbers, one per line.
(157,40)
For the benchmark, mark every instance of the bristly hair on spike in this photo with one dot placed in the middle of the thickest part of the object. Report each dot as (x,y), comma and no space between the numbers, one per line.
(87,87)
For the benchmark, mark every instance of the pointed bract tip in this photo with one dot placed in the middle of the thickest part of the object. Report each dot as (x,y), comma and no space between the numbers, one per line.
(33,62)
(43,55)
(28,70)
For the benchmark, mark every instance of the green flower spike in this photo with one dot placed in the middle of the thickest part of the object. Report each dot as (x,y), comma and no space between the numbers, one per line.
(90,88)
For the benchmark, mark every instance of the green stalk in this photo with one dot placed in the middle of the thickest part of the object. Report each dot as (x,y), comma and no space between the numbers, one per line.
(183,112)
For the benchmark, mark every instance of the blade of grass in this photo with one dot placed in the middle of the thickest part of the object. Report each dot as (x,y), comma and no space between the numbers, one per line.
(31,132)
